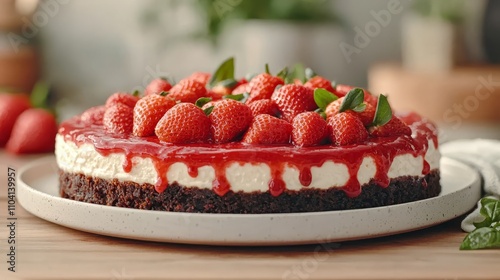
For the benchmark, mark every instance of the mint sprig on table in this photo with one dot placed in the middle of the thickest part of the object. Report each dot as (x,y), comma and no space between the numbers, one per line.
(487,233)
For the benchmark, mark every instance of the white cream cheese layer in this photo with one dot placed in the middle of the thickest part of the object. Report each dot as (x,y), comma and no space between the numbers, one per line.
(246,177)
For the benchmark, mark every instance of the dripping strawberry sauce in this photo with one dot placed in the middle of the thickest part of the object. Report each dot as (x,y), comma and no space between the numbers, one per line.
(382,150)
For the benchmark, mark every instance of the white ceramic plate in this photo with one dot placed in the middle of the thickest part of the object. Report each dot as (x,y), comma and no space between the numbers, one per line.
(38,193)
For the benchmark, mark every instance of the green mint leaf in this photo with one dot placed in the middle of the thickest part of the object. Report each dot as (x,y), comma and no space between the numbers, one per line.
(224,71)
(481,238)
(164,93)
(229,83)
(208,110)
(136,93)
(360,108)
(352,99)
(298,72)
(490,210)
(309,73)
(267,69)
(383,113)
(40,94)
(237,97)
(283,73)
(202,101)
(323,97)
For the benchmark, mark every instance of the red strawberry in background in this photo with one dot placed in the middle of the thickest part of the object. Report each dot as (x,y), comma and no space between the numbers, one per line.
(341,90)
(347,129)
(394,127)
(320,82)
(294,99)
(309,129)
(147,113)
(157,86)
(188,91)
(184,123)
(34,132)
(202,77)
(230,119)
(243,88)
(266,129)
(122,98)
(119,118)
(93,115)
(262,86)
(11,107)
(264,106)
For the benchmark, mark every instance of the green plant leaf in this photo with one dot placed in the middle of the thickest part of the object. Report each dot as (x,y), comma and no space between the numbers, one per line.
(224,72)
(39,95)
(309,73)
(202,101)
(352,99)
(383,113)
(237,97)
(208,110)
(323,97)
(481,238)
(136,93)
(164,93)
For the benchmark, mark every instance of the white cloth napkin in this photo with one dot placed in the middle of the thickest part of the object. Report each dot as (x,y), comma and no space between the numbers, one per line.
(484,156)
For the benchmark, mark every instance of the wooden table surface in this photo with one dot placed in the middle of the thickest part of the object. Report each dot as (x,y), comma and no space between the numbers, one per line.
(49,251)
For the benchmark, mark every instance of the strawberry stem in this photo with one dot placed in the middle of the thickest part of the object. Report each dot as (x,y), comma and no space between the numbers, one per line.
(267,69)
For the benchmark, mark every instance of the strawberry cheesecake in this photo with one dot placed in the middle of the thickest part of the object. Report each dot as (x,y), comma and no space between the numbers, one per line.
(267,144)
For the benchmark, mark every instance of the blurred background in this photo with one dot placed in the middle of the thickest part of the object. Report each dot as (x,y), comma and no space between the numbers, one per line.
(437,57)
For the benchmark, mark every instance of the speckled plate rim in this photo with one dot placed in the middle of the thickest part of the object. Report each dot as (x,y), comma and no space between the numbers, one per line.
(37,192)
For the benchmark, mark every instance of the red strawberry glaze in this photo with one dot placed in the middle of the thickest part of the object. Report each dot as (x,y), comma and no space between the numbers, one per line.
(220,157)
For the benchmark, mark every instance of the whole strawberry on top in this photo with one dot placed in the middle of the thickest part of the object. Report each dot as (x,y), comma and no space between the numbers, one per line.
(157,86)
(184,123)
(294,99)
(230,119)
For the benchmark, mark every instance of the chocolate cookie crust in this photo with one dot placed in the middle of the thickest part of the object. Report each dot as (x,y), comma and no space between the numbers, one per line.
(179,199)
